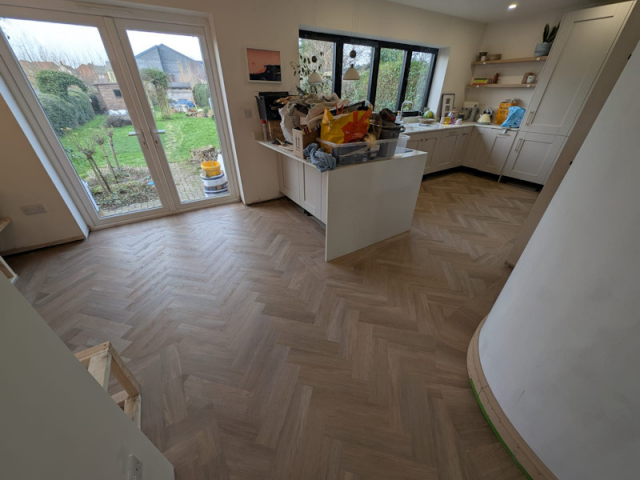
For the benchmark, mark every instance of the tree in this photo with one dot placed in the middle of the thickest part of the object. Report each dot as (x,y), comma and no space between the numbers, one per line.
(57,83)
(100,139)
(89,150)
(109,133)
(159,81)
(201,95)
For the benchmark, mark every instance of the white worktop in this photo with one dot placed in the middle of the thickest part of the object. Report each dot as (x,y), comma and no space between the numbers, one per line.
(436,127)
(288,151)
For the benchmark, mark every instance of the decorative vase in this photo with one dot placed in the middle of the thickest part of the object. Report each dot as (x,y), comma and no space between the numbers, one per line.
(542,49)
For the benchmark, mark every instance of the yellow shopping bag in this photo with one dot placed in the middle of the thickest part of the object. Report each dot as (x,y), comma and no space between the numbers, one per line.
(346,127)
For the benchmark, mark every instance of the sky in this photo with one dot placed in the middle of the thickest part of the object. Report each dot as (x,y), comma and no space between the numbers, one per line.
(75,44)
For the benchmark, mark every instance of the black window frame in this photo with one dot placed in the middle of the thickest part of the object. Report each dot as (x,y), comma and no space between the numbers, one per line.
(338,46)
(117,93)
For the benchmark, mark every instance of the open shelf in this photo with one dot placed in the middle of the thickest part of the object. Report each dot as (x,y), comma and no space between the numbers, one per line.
(511,60)
(504,85)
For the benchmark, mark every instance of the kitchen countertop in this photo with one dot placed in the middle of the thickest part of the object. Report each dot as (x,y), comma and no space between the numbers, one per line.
(437,127)
(288,151)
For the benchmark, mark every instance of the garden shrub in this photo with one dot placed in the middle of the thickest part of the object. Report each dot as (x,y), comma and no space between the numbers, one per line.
(116,121)
(61,114)
(201,95)
(82,106)
(96,103)
(57,83)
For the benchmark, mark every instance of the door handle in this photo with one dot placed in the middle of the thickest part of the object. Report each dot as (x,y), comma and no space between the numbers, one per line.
(532,113)
(519,144)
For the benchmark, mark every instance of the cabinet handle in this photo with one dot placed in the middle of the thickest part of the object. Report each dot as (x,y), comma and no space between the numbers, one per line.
(519,144)
(530,117)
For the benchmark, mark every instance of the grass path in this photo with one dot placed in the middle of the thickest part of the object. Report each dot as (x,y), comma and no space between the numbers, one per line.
(182,134)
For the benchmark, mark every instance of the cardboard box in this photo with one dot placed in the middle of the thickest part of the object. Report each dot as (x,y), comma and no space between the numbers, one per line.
(302,140)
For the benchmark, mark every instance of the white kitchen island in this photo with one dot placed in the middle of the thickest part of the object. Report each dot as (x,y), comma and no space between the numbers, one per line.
(360,204)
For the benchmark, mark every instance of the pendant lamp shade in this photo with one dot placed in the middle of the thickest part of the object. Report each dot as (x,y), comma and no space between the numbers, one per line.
(351,74)
(315,78)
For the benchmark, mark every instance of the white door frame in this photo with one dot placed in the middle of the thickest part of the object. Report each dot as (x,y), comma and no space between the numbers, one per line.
(121,26)
(103,18)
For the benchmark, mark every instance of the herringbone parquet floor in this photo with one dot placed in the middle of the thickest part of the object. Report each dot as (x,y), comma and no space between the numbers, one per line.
(260,361)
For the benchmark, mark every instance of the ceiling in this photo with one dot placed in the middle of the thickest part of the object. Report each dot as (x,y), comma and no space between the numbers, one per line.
(487,11)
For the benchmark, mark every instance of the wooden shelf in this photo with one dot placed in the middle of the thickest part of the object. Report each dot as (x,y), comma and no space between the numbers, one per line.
(503,85)
(511,60)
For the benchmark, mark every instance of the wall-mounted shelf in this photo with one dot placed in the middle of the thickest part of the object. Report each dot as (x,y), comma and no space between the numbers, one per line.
(511,60)
(503,85)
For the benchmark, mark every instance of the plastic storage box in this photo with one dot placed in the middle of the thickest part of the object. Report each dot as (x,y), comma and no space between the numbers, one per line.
(358,152)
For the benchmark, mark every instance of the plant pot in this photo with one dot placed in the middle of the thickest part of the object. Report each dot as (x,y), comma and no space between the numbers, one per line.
(542,49)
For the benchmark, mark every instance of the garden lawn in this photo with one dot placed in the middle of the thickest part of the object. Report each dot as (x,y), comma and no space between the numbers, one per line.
(182,134)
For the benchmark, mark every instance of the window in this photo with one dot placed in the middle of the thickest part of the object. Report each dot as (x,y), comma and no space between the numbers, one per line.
(419,75)
(323,53)
(357,90)
(117,93)
(390,73)
(389,79)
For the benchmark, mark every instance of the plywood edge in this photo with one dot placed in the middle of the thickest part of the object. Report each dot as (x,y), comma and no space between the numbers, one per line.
(524,457)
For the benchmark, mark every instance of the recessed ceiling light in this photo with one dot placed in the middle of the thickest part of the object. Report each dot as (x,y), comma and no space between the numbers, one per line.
(512,6)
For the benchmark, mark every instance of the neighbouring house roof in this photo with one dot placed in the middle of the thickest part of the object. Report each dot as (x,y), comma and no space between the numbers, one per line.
(163,46)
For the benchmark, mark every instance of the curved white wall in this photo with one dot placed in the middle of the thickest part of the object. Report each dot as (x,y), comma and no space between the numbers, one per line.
(561,346)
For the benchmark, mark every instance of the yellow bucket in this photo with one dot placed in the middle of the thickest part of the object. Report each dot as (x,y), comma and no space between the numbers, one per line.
(211,168)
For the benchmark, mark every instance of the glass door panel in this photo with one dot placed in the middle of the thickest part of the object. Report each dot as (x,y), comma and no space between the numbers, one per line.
(419,70)
(176,86)
(72,78)
(389,77)
(357,90)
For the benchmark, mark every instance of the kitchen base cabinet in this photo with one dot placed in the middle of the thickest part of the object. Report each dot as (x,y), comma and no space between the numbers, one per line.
(443,156)
(499,152)
(303,184)
(311,191)
(533,156)
(428,144)
(289,177)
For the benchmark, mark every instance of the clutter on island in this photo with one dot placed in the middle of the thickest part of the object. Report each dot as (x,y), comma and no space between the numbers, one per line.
(330,131)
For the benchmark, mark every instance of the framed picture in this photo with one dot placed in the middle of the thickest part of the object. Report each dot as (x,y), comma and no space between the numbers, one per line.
(264,65)
(448,102)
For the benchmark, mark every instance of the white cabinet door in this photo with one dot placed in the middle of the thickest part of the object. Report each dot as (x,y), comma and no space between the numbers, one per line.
(311,190)
(413,143)
(443,156)
(428,144)
(575,61)
(461,146)
(484,144)
(289,177)
(533,156)
(498,152)
(471,153)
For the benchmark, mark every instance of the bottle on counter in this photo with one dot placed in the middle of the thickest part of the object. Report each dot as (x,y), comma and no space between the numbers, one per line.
(265,131)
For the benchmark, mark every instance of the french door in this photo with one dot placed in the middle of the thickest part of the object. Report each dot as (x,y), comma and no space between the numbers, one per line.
(129,108)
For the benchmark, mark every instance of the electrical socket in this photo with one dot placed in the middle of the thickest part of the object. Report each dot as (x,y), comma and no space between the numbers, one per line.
(248,113)
(135,468)
(33,209)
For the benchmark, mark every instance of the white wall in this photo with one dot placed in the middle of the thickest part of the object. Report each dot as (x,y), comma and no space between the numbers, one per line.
(25,181)
(561,346)
(57,423)
(513,39)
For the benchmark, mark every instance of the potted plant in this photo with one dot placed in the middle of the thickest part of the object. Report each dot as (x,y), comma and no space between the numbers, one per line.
(548,36)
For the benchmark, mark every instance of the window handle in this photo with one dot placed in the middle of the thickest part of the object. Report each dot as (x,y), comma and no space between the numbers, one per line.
(134,134)
(159,132)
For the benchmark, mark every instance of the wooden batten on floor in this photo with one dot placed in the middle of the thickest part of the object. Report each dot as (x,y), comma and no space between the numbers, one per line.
(519,449)
(101,361)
